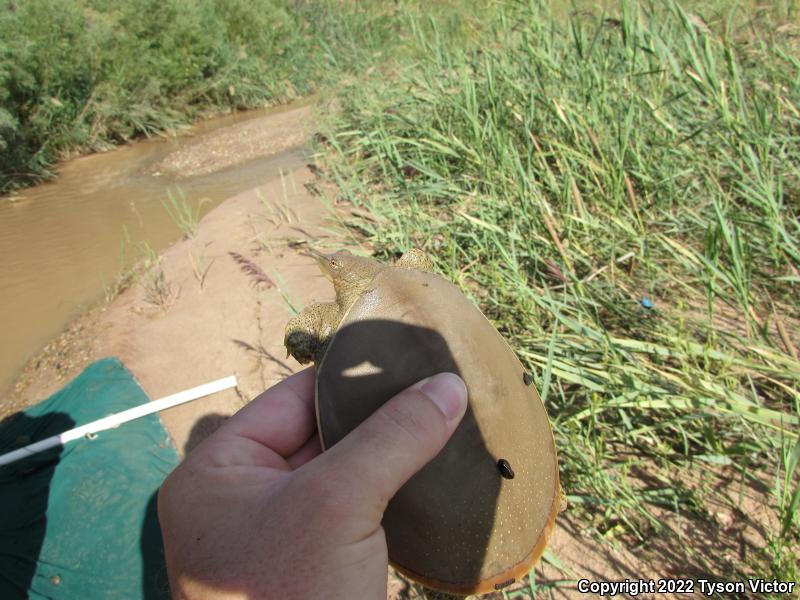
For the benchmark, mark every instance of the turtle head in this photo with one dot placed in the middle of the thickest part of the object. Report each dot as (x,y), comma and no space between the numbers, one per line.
(351,275)
(336,265)
(308,332)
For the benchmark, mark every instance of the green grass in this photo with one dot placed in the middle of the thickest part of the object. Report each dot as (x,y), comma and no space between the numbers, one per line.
(82,75)
(566,171)
(185,216)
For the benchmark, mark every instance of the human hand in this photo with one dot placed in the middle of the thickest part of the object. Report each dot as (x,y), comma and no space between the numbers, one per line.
(257,511)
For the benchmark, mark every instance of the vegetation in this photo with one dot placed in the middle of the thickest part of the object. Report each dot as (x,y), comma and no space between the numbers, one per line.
(81,75)
(185,216)
(619,193)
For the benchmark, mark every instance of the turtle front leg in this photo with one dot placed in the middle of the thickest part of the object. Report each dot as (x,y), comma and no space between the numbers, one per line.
(308,332)
(415,259)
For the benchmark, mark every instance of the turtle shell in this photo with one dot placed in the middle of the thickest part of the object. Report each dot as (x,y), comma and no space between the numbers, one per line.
(478,516)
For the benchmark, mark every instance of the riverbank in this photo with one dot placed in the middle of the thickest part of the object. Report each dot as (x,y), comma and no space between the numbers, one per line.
(197,314)
(78,76)
(64,243)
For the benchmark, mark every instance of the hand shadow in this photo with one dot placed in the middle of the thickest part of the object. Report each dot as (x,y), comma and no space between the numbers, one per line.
(155,583)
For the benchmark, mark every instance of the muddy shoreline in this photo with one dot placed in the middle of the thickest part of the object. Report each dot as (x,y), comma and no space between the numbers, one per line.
(195,315)
(65,242)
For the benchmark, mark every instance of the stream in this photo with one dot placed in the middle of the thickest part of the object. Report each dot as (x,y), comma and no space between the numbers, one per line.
(63,243)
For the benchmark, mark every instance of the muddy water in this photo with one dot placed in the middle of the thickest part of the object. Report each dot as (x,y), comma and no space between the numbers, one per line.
(63,243)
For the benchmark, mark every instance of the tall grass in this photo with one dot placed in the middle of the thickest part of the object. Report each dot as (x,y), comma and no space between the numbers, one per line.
(619,193)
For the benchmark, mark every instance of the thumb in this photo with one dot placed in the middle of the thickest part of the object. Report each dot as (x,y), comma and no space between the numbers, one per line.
(396,441)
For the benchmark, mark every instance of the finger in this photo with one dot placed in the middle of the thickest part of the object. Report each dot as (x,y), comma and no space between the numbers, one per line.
(310,450)
(281,418)
(396,441)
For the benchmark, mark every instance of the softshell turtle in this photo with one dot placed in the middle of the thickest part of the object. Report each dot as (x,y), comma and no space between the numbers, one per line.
(477,517)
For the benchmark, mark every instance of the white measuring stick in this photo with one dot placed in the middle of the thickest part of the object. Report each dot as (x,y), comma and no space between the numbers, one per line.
(118,419)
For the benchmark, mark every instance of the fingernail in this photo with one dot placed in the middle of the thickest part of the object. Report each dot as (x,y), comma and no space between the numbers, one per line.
(448,393)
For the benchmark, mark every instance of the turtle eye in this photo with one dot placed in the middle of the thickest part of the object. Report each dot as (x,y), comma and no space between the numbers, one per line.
(335,264)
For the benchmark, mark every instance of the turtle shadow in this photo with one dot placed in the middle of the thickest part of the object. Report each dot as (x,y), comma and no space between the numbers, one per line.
(439,523)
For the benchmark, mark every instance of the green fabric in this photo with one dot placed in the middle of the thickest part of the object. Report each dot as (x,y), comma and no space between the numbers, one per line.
(80,521)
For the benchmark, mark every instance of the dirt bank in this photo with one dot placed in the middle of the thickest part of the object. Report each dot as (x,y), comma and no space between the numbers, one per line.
(63,243)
